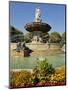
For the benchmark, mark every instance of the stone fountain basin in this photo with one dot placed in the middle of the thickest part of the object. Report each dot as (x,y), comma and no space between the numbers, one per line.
(42,46)
(37,46)
(37,26)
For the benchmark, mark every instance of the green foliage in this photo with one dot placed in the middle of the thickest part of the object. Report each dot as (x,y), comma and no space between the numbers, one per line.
(43,70)
(14,31)
(55,37)
(63,40)
(16,35)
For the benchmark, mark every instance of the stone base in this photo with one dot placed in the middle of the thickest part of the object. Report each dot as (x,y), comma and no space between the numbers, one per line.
(37,46)
(39,49)
(55,46)
(46,52)
(42,49)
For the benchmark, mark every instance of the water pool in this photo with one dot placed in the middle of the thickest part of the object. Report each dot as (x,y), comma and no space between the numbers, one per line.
(30,62)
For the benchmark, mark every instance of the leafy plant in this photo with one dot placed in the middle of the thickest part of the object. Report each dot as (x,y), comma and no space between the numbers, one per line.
(43,70)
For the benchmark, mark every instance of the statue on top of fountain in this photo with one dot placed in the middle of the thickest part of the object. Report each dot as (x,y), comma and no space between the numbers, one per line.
(37,15)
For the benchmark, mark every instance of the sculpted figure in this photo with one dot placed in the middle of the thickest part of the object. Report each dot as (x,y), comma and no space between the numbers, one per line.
(37,15)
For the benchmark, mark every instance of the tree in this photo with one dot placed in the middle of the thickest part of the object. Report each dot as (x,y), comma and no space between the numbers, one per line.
(63,40)
(55,37)
(16,35)
(14,31)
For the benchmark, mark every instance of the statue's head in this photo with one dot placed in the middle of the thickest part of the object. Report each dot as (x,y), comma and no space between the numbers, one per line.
(37,9)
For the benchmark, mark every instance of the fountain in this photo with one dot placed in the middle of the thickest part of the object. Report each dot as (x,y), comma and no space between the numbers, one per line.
(37,28)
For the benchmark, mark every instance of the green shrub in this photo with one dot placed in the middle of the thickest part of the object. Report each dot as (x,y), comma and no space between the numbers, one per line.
(43,70)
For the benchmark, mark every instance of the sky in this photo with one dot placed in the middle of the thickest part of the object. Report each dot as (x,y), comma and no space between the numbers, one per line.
(22,13)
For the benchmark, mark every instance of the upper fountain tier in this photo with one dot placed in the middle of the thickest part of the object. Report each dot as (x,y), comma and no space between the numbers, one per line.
(37,25)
